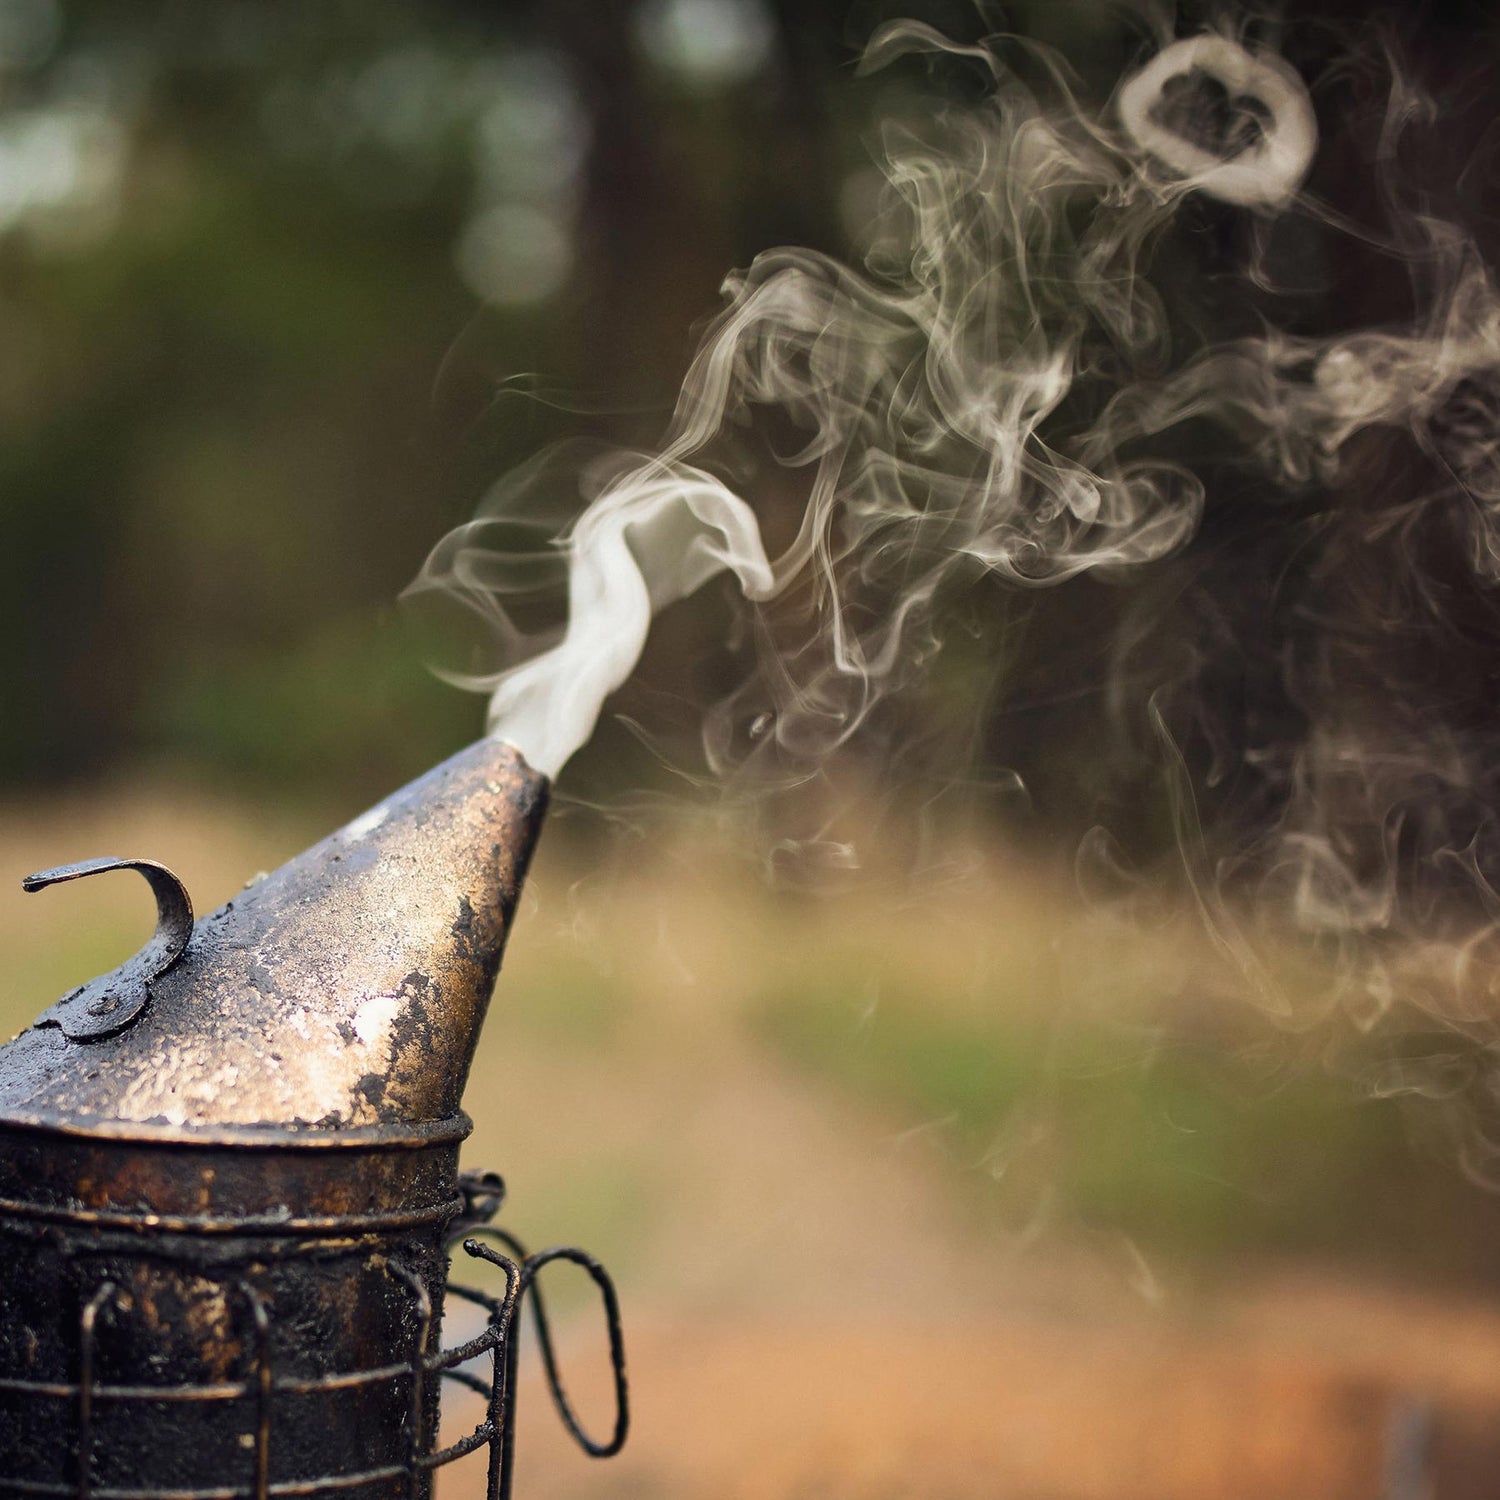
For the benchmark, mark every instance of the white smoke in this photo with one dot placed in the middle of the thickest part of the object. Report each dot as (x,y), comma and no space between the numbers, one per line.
(923,384)
(1233,123)
(653,537)
(994,392)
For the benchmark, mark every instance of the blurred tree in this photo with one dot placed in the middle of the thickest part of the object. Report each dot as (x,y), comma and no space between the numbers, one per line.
(285,285)
(279,283)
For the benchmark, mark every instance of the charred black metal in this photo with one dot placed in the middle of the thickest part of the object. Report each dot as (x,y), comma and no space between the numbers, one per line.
(229,1180)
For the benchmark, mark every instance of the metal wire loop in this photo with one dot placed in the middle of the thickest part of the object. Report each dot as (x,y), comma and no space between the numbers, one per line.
(87,1322)
(262,1320)
(414,1431)
(483,1194)
(530,1267)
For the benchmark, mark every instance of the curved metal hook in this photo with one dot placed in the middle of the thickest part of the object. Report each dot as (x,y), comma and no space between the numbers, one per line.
(108,1004)
(522,1278)
(594,1447)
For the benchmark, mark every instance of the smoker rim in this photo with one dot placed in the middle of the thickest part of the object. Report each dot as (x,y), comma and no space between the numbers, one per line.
(307,1137)
(309,1227)
(387,1205)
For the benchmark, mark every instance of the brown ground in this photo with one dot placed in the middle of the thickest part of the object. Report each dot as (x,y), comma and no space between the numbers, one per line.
(818,1303)
(1024,1409)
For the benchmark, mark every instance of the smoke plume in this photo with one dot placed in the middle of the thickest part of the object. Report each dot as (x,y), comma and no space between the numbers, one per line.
(1009,385)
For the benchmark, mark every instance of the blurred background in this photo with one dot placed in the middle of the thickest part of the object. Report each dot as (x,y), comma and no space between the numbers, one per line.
(944,1186)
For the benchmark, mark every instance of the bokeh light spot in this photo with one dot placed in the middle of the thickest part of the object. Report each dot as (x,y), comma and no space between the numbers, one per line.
(514,254)
(708,41)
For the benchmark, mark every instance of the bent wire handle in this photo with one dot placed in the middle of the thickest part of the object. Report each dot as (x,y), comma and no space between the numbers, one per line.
(527,1281)
(108,1004)
(501,1420)
(601,1278)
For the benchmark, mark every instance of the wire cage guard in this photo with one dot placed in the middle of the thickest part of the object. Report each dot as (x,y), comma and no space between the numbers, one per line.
(258,1394)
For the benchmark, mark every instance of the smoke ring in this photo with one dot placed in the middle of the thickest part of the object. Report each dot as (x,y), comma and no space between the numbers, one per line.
(1265,174)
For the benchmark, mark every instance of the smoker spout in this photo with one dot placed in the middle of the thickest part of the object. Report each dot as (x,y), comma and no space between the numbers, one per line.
(229,1185)
(344,990)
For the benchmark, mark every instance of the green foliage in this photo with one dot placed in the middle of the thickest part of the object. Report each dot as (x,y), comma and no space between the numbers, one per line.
(244,394)
(317,715)
(1191,1147)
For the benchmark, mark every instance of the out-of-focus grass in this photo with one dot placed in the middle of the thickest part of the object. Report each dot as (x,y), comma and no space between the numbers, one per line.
(569,1005)
(802,1133)
(1203,1148)
(1074,1077)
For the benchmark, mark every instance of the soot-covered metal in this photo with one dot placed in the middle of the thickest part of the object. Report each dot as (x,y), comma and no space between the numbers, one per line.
(229,1182)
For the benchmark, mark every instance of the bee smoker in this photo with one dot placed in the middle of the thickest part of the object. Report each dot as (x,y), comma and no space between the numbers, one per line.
(229,1178)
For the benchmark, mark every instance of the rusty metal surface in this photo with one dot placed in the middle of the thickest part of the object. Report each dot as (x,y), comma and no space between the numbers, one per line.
(246,1364)
(250,1367)
(378,1181)
(345,990)
(185,1317)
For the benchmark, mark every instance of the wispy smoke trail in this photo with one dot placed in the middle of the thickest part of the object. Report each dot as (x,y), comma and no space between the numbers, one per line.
(1008,276)
(993,392)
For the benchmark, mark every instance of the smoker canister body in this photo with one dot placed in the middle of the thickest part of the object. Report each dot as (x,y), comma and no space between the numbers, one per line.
(229,1170)
(164,1317)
